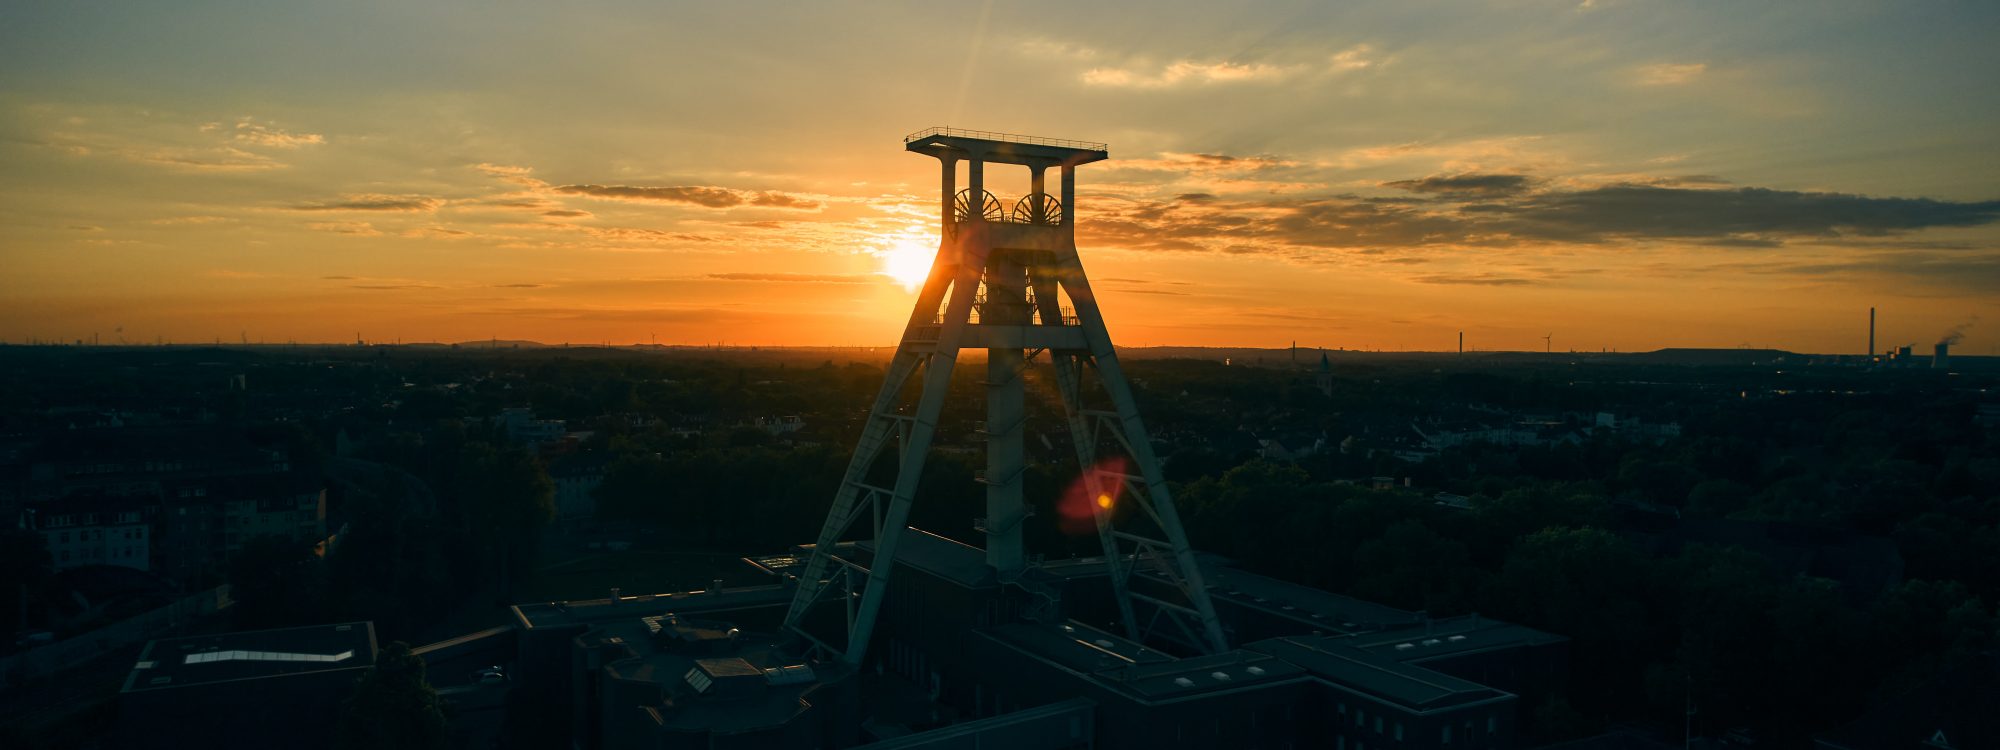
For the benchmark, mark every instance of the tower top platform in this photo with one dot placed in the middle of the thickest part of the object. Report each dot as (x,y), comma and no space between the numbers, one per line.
(1003,148)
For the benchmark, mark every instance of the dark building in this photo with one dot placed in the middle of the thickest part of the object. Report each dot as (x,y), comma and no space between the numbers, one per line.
(255,689)
(671,672)
(963,659)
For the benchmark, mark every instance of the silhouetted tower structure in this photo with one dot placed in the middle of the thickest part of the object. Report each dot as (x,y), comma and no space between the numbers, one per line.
(1324,379)
(1008,280)
(1871,333)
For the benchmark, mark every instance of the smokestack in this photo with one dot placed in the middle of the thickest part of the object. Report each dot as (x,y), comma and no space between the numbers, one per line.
(1941,356)
(1871,332)
(1461,342)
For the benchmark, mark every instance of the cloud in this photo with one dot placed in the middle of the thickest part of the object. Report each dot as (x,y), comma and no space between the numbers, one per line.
(806,278)
(518,286)
(1483,279)
(698,195)
(1356,57)
(356,228)
(219,159)
(1974,273)
(1472,155)
(1669,74)
(446,233)
(1653,211)
(1204,163)
(374,202)
(250,132)
(566,214)
(1465,184)
(1488,210)
(1185,72)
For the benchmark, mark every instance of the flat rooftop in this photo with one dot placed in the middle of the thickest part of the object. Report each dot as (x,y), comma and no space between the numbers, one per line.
(1323,610)
(1451,636)
(205,659)
(1144,674)
(1335,662)
(593,611)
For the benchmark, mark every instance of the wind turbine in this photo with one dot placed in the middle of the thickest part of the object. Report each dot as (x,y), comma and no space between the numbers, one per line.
(1548,347)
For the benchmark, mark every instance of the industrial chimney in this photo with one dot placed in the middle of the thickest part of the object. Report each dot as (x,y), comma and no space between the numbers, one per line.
(1941,356)
(1871,333)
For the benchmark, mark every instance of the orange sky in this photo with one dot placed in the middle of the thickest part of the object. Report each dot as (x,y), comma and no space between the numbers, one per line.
(1618,174)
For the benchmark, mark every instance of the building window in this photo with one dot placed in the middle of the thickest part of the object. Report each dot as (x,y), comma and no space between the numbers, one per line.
(1447,734)
(1378,723)
(1399,731)
(1492,723)
(1360,717)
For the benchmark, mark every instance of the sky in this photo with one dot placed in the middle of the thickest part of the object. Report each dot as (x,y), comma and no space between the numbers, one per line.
(1613,174)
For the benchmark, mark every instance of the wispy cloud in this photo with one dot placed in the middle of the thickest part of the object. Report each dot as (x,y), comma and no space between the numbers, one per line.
(1669,74)
(248,131)
(1185,72)
(374,202)
(1490,210)
(1483,279)
(698,195)
(355,228)
(1357,57)
(1465,184)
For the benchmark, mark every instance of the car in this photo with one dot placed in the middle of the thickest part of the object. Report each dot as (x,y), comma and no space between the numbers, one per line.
(489,674)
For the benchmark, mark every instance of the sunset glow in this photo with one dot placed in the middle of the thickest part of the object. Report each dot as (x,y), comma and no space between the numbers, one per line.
(906,259)
(1621,175)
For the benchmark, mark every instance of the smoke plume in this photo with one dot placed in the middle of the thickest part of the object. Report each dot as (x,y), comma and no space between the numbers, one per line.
(1957,332)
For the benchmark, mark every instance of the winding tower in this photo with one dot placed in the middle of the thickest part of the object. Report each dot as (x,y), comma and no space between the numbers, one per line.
(1007,279)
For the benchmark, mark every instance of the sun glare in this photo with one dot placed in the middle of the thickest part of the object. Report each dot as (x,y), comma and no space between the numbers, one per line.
(906,259)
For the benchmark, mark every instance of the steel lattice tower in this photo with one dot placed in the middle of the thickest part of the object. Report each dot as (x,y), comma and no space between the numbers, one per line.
(998,283)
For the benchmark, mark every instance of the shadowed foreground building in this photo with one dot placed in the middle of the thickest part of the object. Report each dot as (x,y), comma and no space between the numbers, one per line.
(255,689)
(960,664)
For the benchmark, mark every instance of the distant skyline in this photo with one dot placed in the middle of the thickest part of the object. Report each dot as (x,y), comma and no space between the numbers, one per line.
(1620,174)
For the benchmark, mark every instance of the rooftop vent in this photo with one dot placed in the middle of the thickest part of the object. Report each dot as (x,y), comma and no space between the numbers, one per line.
(1456,638)
(700,682)
(1432,641)
(1183,682)
(1220,676)
(1405,646)
(1256,670)
(1101,643)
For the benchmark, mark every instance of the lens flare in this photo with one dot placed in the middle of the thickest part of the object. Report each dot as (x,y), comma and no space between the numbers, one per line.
(1079,507)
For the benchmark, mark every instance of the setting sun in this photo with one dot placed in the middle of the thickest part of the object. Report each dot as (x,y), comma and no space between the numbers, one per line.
(906,258)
